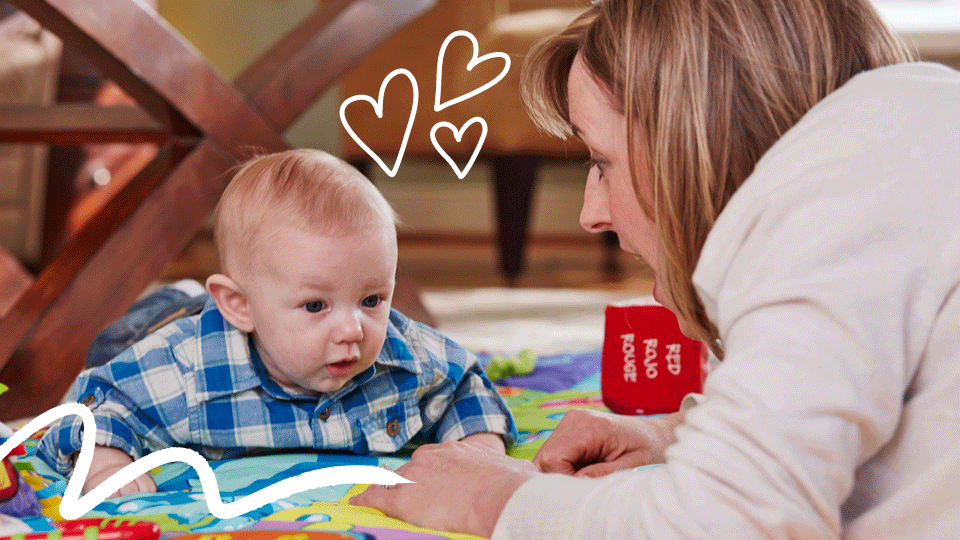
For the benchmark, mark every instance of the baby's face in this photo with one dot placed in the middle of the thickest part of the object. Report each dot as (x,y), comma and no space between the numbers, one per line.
(320,303)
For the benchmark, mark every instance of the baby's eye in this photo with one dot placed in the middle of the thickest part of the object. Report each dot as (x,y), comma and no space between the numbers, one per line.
(371,301)
(314,306)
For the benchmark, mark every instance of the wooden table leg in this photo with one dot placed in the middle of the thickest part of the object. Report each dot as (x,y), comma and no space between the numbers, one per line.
(514,180)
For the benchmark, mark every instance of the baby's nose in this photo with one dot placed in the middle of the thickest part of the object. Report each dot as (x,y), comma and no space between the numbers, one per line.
(348,328)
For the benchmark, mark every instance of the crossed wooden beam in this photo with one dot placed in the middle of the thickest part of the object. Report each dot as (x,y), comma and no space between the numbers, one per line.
(203,126)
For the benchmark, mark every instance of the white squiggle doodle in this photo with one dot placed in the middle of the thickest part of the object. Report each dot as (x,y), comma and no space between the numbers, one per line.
(458,134)
(73,505)
(437,105)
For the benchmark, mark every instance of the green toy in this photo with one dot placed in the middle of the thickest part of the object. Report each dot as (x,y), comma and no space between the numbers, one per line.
(511,366)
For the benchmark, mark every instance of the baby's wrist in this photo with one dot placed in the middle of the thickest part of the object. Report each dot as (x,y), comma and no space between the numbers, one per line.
(493,441)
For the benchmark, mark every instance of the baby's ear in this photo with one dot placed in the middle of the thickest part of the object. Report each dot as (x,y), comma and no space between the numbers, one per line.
(231,301)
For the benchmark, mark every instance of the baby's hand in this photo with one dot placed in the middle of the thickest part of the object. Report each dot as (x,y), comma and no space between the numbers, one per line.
(106,462)
(488,441)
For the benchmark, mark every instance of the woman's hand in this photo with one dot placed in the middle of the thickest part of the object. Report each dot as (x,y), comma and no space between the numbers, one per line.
(594,443)
(106,462)
(460,487)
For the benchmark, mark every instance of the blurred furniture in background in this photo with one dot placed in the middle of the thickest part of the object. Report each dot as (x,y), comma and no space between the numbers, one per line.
(29,60)
(29,65)
(193,125)
(514,146)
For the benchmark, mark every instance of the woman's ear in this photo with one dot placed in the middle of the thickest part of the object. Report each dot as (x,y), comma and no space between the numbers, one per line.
(231,301)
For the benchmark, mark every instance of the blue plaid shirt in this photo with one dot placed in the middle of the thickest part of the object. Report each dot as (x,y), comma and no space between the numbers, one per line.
(199,383)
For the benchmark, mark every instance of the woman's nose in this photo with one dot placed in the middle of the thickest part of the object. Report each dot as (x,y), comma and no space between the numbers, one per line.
(595,214)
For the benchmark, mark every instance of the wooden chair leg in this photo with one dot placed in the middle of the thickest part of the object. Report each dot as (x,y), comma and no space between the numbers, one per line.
(611,248)
(514,179)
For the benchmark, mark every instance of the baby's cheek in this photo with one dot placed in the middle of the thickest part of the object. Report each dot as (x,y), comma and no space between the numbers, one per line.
(369,351)
(365,362)
(304,367)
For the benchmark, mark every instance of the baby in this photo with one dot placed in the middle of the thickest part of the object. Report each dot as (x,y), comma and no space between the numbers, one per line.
(297,346)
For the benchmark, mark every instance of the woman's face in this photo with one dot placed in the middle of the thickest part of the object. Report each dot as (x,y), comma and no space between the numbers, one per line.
(609,198)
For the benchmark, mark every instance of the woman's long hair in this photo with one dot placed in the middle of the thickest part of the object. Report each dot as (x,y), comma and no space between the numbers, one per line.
(707,87)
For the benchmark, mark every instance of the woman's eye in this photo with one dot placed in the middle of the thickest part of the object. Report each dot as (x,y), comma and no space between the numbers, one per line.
(594,163)
(371,301)
(314,306)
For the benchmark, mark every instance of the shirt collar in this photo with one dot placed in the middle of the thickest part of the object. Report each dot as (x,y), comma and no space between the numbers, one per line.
(224,365)
(402,335)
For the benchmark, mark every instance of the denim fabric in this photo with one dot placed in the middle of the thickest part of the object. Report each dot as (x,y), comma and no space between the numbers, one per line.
(160,307)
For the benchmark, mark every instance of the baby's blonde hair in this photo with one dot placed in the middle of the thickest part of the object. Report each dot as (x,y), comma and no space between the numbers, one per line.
(312,187)
(707,87)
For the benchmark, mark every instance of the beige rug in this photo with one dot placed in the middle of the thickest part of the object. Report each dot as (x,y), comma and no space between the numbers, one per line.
(506,321)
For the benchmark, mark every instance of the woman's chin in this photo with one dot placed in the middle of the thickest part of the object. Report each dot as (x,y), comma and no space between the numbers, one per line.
(684,327)
(656,292)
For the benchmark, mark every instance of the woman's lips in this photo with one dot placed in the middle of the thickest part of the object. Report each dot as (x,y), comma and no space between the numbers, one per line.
(342,368)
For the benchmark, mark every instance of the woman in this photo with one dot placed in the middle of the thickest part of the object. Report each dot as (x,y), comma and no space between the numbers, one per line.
(794,181)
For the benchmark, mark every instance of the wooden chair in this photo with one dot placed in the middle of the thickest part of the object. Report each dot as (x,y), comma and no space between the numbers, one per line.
(201,124)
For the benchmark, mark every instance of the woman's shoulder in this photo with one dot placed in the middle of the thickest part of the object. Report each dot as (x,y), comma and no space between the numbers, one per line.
(869,162)
(899,91)
(894,78)
(876,123)
(895,98)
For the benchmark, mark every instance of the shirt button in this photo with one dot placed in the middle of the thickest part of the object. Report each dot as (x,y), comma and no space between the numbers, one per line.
(88,400)
(393,427)
(324,414)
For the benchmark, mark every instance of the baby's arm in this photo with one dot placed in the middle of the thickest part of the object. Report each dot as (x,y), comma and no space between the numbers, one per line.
(490,441)
(477,412)
(464,405)
(106,462)
(123,431)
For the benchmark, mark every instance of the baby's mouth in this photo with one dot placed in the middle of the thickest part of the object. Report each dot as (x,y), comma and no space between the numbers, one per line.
(341,368)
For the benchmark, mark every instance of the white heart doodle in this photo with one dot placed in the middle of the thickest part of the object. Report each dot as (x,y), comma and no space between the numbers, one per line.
(473,62)
(378,108)
(458,134)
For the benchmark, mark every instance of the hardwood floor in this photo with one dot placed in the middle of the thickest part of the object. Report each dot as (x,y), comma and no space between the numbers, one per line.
(447,262)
